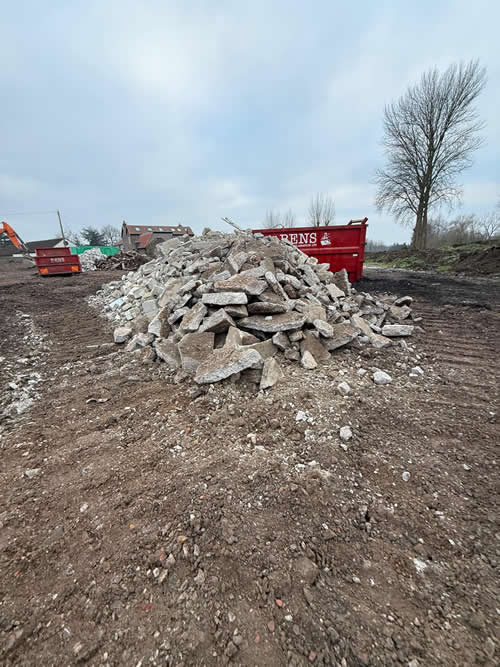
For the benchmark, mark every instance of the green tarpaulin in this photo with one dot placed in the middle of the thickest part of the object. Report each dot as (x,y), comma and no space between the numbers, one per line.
(105,249)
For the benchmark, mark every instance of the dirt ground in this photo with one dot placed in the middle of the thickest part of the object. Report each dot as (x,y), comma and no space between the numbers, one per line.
(144,522)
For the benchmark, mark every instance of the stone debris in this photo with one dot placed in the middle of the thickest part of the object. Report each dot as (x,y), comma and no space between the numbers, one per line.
(122,334)
(381,377)
(397,330)
(345,433)
(89,259)
(237,305)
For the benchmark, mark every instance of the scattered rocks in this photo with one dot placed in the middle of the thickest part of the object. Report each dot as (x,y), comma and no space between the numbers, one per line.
(345,433)
(397,330)
(31,473)
(381,377)
(308,361)
(344,388)
(122,334)
(271,373)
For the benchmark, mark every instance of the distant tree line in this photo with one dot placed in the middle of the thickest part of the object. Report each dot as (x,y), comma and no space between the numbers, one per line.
(105,235)
(321,212)
(462,229)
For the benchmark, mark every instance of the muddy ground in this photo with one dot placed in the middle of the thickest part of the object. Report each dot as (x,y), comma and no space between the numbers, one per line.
(145,523)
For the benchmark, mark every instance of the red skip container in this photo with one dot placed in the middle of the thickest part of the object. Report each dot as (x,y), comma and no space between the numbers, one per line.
(56,261)
(339,246)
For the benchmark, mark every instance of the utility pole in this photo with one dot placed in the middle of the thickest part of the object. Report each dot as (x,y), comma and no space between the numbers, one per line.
(62,230)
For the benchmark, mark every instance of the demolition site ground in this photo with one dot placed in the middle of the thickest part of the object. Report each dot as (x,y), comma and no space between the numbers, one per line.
(147,522)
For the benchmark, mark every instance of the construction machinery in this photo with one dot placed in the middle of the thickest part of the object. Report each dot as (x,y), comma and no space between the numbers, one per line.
(49,261)
(6,229)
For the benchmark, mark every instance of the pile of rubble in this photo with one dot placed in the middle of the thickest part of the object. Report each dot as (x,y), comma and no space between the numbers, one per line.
(90,258)
(125,260)
(229,305)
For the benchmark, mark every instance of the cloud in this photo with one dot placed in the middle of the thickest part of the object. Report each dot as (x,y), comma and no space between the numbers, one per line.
(170,111)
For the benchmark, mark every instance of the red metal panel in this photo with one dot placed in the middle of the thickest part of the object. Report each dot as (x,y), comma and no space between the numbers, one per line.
(340,246)
(52,252)
(52,261)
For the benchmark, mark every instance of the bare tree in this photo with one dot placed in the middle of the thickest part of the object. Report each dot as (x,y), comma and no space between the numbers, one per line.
(289,219)
(321,210)
(275,219)
(430,134)
(73,237)
(489,226)
(110,234)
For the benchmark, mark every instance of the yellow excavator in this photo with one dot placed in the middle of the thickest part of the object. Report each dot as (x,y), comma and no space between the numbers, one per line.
(14,238)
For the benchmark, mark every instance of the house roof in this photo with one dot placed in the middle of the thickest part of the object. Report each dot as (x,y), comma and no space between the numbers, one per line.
(46,243)
(178,230)
(144,239)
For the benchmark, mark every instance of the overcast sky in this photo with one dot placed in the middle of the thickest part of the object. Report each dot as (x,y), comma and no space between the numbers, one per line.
(166,112)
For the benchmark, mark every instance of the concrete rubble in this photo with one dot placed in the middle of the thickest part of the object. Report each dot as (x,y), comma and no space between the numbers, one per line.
(90,258)
(237,306)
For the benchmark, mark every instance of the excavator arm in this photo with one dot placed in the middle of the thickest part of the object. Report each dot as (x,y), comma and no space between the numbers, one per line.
(14,237)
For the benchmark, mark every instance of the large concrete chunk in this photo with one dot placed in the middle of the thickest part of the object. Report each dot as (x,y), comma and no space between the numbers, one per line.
(308,361)
(224,298)
(313,345)
(266,308)
(325,329)
(273,323)
(218,322)
(168,352)
(334,291)
(238,337)
(122,334)
(343,334)
(397,330)
(194,348)
(236,311)
(265,348)
(271,373)
(240,283)
(281,340)
(194,317)
(376,340)
(225,362)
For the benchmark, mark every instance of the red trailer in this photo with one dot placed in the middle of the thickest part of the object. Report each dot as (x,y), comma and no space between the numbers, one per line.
(56,261)
(340,246)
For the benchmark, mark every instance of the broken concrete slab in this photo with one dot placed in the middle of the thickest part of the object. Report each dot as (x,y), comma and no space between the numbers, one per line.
(376,340)
(227,361)
(194,348)
(271,373)
(122,334)
(281,340)
(392,330)
(324,329)
(343,334)
(308,361)
(265,348)
(218,322)
(334,291)
(139,340)
(240,283)
(193,317)
(168,352)
(224,298)
(266,308)
(236,311)
(315,347)
(273,323)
